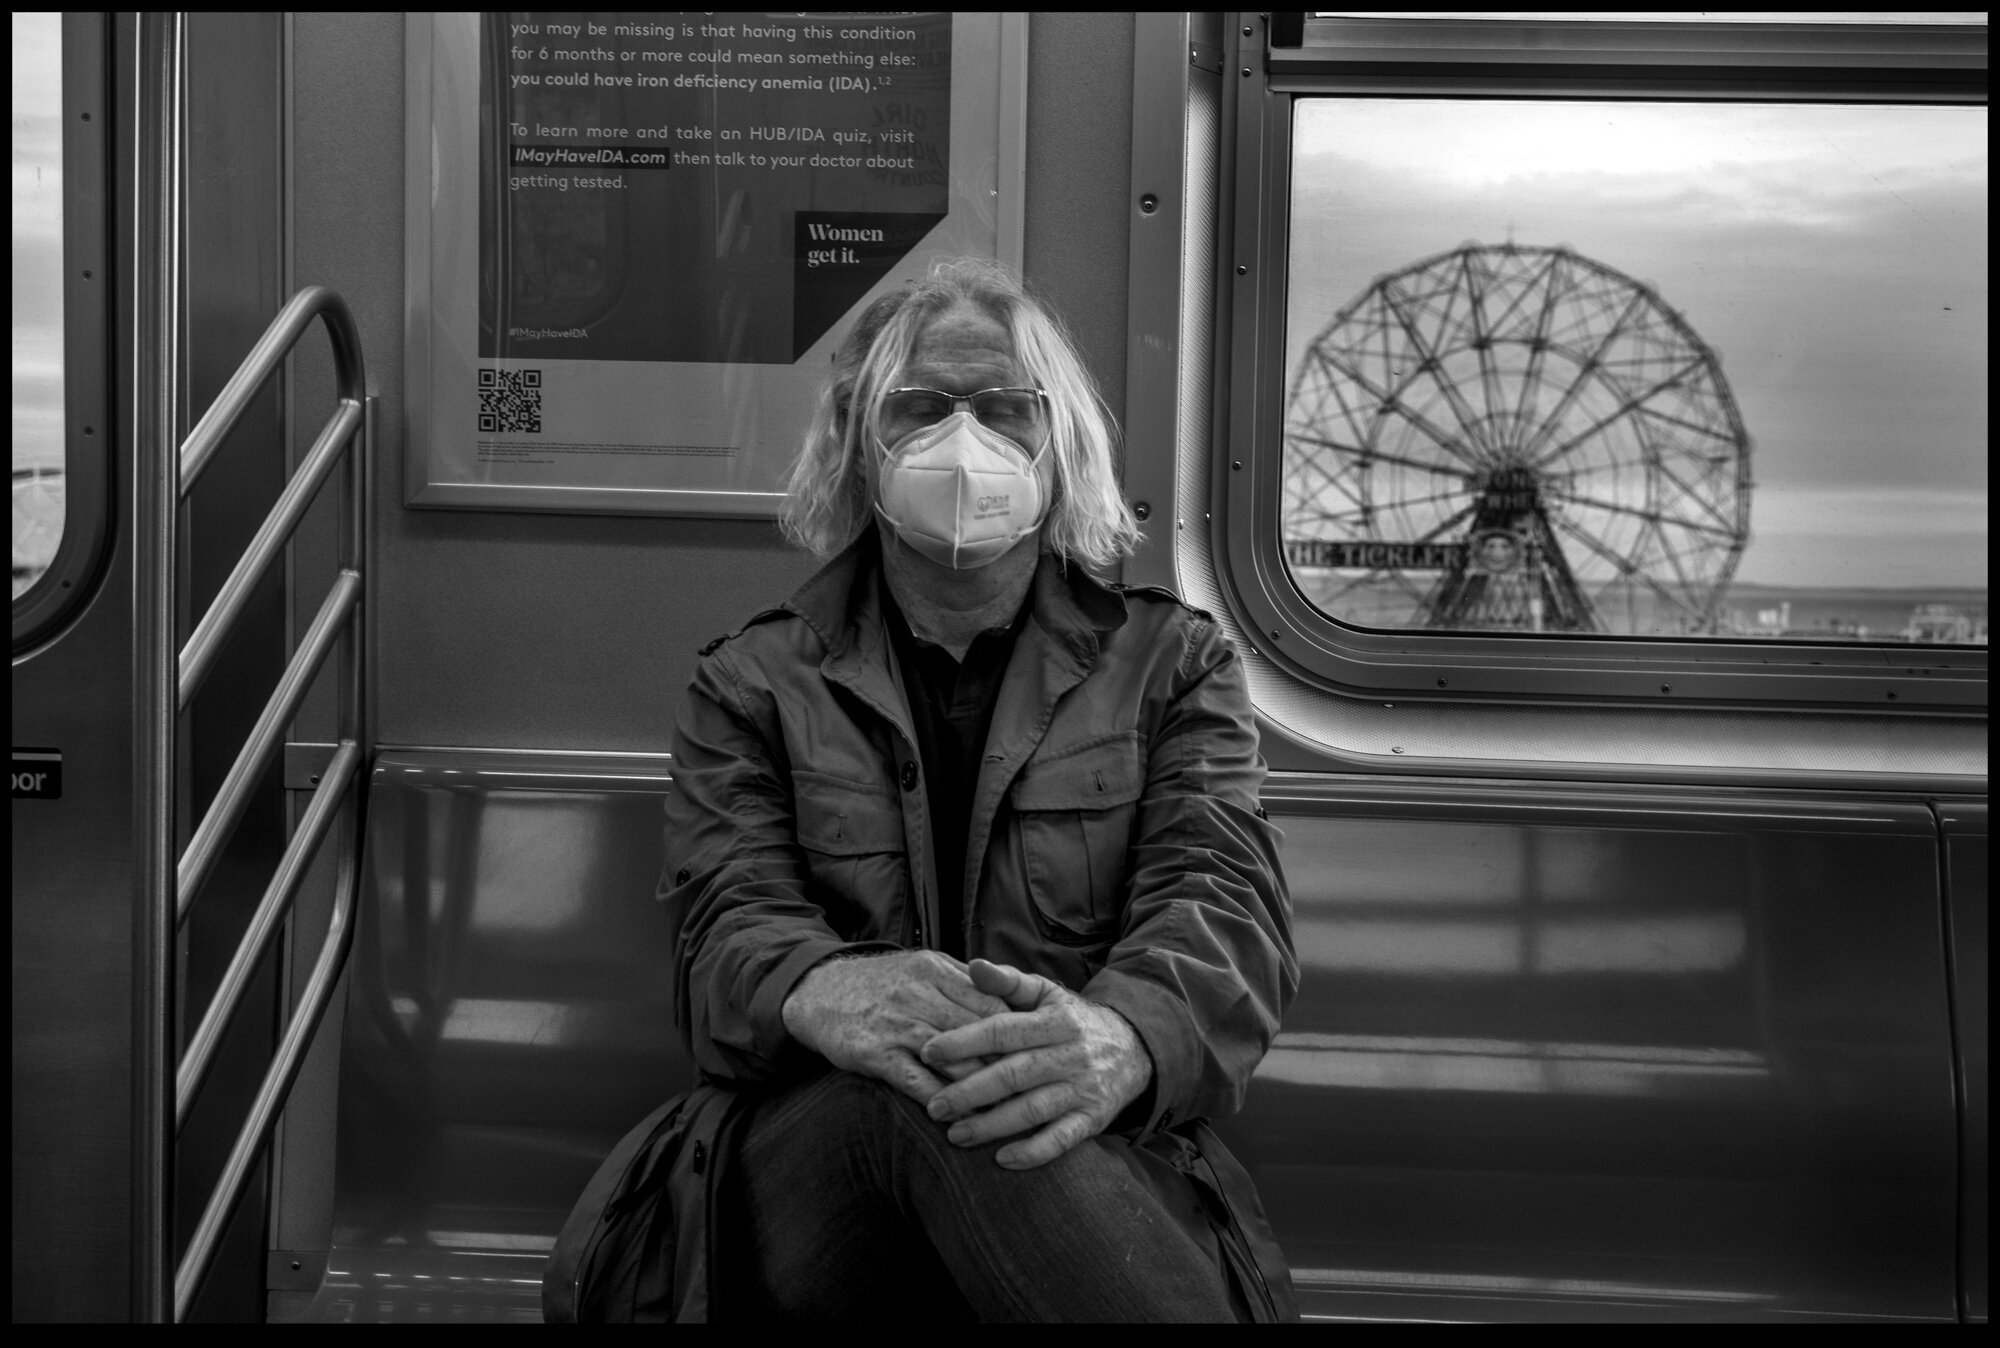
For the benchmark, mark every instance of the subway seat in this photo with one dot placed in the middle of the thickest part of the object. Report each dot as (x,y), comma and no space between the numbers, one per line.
(509,1017)
(1558,1053)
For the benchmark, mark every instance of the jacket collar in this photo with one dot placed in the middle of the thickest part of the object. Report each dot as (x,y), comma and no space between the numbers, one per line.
(841,604)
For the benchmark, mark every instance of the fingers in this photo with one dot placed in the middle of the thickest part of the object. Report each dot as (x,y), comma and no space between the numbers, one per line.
(949,1008)
(1021,991)
(901,1069)
(1017,1113)
(931,994)
(1016,1074)
(940,975)
(1067,1124)
(1059,1137)
(960,1070)
(997,1036)
(962,993)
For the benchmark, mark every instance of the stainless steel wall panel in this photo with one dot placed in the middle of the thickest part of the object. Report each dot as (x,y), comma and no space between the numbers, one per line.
(70,957)
(1581,1050)
(234,284)
(509,1015)
(70,867)
(1963,826)
(1079,182)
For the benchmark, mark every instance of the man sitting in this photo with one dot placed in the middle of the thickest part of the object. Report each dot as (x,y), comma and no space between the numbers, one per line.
(970,878)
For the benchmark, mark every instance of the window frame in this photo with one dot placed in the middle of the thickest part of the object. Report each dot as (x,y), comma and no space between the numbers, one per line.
(1541,61)
(73,575)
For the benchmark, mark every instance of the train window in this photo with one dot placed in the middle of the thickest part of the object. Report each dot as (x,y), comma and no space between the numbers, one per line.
(1629,348)
(38,307)
(62,311)
(1647,369)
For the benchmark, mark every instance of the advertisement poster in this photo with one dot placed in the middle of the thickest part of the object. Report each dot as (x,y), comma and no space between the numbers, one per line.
(647,231)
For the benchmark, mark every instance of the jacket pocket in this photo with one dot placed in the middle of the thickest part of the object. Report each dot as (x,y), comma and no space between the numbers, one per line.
(1075,806)
(852,836)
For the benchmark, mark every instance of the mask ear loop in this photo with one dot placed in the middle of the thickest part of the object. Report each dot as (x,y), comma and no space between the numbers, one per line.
(1046,469)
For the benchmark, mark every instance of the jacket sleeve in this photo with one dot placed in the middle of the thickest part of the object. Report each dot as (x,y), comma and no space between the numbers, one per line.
(1204,965)
(745,930)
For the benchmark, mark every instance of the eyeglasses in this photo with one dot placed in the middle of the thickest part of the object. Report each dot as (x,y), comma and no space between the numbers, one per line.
(1020,414)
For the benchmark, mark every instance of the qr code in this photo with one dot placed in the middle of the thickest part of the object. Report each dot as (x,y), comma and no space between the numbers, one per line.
(510,402)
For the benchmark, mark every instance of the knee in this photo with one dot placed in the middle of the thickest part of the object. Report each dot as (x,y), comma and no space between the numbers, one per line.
(845,1105)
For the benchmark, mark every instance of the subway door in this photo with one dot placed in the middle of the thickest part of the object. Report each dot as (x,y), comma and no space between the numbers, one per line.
(74,863)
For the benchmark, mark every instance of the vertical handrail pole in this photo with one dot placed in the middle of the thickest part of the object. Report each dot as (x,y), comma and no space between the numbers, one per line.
(156,675)
(364,543)
(352,558)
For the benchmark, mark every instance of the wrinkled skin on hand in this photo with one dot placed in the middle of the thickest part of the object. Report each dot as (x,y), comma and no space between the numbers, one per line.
(1052,1062)
(872,1015)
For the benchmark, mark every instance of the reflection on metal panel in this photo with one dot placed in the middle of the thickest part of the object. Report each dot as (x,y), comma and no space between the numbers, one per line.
(1570,1048)
(511,1015)
(1653,944)
(431,1285)
(1384,1062)
(1489,1286)
(1486,865)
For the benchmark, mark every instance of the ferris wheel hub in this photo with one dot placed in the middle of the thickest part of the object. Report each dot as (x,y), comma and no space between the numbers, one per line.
(1509,490)
(1501,439)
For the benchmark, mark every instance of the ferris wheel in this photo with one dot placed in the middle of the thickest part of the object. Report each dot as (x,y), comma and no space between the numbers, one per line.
(1516,438)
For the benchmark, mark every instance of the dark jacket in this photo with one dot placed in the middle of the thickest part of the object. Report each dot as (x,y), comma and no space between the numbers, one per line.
(1116,844)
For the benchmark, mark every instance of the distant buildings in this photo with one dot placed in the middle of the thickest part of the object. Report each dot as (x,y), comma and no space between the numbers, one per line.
(1943,625)
(1928,624)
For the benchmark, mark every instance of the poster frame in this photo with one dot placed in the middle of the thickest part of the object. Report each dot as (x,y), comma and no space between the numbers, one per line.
(428,348)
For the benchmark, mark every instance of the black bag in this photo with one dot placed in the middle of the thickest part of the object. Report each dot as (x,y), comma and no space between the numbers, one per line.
(636,1248)
(1249,1246)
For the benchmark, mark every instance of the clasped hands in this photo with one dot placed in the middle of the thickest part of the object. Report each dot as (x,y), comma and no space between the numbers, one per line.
(987,1048)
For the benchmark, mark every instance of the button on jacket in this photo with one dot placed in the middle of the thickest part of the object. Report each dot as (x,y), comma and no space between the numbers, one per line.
(1115,843)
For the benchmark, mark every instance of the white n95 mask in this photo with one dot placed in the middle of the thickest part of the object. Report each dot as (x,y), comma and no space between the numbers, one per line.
(962,494)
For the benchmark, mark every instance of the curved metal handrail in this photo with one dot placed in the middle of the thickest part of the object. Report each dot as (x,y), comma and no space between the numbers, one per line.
(337,786)
(166,683)
(234,793)
(263,361)
(264,925)
(277,1086)
(199,653)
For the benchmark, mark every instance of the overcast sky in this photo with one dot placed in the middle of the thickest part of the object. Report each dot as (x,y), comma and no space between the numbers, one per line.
(37,240)
(1834,257)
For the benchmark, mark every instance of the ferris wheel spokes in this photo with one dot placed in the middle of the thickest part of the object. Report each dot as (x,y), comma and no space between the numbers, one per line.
(1550,416)
(1365,456)
(1628,405)
(1432,365)
(1390,400)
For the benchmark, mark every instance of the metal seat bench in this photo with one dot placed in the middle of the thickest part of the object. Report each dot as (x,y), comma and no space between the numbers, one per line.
(508,1017)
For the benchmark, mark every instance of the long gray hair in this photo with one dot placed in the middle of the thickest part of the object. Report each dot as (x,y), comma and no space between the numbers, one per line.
(828,504)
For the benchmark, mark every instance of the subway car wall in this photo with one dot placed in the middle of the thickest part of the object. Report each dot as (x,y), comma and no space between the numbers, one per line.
(1643,966)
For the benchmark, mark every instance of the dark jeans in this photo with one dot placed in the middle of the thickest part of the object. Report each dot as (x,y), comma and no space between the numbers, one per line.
(854,1207)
